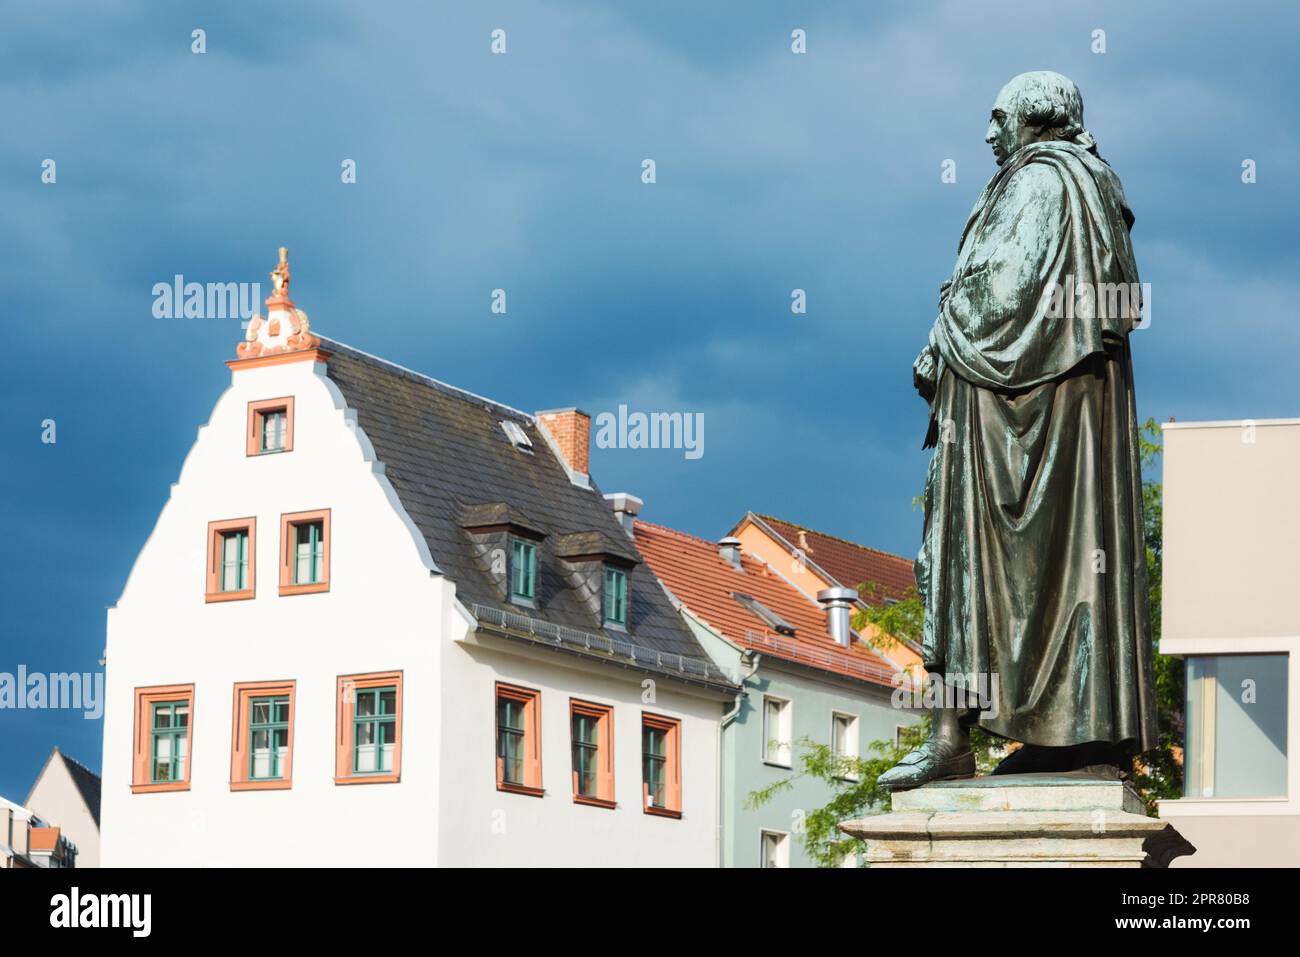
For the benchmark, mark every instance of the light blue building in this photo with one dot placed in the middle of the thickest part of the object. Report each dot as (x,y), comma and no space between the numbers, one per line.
(806,677)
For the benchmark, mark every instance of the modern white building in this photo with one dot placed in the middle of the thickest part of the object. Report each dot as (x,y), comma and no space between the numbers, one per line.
(1231,609)
(384,621)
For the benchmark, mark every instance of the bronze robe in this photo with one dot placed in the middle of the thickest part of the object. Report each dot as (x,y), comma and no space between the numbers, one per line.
(1033,564)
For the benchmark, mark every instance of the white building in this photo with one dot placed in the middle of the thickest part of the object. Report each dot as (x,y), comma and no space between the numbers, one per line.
(381,620)
(1231,609)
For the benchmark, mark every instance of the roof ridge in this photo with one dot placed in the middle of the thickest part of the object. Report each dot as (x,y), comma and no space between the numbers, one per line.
(71,760)
(834,538)
(423,377)
(673,531)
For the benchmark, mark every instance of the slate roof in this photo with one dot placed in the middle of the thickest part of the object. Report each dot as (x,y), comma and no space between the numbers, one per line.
(86,780)
(850,564)
(707,584)
(450,462)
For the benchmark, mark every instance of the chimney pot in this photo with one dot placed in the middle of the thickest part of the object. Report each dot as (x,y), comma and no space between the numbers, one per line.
(626,508)
(729,549)
(838,603)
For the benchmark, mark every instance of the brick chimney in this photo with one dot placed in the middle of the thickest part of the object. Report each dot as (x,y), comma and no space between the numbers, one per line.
(570,432)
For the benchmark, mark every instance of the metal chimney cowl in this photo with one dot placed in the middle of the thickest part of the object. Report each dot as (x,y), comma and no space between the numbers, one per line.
(839,603)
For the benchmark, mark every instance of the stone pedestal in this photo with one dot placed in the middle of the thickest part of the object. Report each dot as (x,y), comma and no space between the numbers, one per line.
(1080,819)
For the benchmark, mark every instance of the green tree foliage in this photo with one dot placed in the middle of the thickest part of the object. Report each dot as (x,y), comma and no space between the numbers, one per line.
(852,780)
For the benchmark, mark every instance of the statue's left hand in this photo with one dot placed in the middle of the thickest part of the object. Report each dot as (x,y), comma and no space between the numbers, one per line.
(923,372)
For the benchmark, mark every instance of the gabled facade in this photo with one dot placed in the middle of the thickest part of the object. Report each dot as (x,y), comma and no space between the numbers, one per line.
(67,793)
(804,680)
(382,620)
(816,561)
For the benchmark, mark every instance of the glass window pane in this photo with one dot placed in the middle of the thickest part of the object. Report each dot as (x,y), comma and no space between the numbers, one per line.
(523,568)
(365,703)
(388,701)
(366,758)
(261,748)
(1236,710)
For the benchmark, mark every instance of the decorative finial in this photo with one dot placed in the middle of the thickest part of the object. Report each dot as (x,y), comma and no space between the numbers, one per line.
(285,328)
(280,275)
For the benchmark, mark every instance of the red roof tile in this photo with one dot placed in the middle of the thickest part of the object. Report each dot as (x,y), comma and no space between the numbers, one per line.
(705,582)
(44,838)
(848,562)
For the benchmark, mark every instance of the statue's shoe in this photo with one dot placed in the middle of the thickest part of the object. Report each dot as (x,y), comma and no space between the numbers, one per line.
(1041,759)
(932,761)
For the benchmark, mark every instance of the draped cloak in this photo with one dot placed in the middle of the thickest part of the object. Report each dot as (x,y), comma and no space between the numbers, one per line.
(1033,562)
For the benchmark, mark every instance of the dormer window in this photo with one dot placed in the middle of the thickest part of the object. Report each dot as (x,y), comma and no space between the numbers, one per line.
(523,572)
(270,426)
(615,605)
(517,436)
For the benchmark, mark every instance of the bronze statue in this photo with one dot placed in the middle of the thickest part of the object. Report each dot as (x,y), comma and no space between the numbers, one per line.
(1033,565)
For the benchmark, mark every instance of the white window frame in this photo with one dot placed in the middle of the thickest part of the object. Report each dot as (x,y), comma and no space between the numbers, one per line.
(782,847)
(854,743)
(785,734)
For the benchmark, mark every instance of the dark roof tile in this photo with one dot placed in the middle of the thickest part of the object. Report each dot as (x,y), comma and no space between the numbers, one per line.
(447,457)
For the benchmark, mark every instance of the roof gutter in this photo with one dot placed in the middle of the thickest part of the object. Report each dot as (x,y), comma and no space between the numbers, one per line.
(596,653)
(754,660)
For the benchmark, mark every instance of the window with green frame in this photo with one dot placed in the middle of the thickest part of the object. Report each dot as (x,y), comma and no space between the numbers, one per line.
(510,739)
(615,596)
(308,553)
(169,741)
(654,760)
(374,730)
(586,753)
(268,738)
(234,560)
(274,427)
(523,570)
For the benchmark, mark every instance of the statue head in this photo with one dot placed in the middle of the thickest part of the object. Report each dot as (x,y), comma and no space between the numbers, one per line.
(1034,107)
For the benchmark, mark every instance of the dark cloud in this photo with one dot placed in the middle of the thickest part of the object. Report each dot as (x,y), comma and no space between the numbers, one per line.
(775,172)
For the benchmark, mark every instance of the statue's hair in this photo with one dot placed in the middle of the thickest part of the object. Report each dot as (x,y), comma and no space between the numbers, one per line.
(1052,102)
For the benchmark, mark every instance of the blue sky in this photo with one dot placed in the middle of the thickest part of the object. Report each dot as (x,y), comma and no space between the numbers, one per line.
(522,172)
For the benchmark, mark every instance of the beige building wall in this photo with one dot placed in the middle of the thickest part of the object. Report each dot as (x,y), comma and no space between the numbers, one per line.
(1232,587)
(56,798)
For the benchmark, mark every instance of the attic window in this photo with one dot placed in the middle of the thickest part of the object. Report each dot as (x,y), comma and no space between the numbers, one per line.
(517,436)
(773,620)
